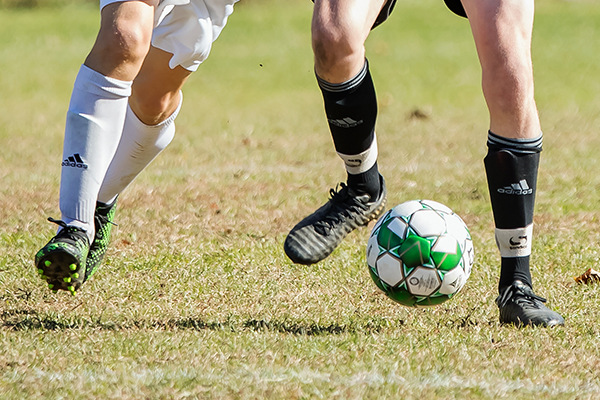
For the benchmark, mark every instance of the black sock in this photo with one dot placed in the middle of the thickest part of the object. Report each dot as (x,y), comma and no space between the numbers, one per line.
(367,182)
(351,109)
(511,168)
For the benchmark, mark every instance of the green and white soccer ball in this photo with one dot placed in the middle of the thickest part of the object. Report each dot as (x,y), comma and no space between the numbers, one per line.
(420,253)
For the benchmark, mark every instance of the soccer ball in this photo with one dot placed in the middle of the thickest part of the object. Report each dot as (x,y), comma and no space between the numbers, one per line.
(420,253)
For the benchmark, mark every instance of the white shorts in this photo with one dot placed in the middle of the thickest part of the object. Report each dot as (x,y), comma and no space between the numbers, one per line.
(187,28)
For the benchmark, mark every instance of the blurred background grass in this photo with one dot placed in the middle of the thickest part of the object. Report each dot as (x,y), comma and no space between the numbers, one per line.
(43,3)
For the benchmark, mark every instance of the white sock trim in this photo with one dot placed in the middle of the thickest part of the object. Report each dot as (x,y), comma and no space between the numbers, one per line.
(515,242)
(359,163)
(94,82)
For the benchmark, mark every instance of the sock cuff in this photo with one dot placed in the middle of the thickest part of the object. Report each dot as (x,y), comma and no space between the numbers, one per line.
(362,162)
(94,82)
(514,242)
(350,84)
(517,146)
(158,127)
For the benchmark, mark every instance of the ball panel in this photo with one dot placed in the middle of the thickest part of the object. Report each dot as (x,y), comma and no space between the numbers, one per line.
(398,227)
(387,237)
(427,223)
(389,269)
(407,208)
(372,251)
(453,281)
(468,258)
(423,281)
(456,227)
(446,252)
(415,251)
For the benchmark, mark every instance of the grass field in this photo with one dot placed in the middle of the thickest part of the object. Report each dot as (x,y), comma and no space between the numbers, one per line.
(197,299)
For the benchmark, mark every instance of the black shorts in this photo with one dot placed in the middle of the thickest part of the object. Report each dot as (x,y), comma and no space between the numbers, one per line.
(454,5)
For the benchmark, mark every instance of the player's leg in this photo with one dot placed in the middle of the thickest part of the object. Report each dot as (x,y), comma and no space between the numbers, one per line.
(93,128)
(502,31)
(148,129)
(149,124)
(339,31)
(181,41)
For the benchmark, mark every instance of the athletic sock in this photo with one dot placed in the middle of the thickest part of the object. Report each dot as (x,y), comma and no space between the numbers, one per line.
(139,145)
(351,109)
(94,124)
(511,168)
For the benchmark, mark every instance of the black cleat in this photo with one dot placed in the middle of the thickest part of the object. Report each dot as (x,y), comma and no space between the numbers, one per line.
(317,235)
(520,306)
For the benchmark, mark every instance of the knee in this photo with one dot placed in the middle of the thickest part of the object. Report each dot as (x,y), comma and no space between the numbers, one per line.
(335,47)
(125,41)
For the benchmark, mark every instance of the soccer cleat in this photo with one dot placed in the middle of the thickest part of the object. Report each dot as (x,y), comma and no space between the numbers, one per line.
(317,235)
(62,261)
(103,222)
(520,306)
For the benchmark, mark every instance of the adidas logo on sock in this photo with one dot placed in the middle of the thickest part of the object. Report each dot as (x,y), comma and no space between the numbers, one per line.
(345,123)
(521,188)
(74,161)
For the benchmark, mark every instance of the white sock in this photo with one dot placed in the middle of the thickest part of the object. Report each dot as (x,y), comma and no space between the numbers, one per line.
(94,124)
(140,144)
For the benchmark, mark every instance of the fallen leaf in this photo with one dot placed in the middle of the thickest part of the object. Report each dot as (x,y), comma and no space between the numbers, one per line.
(589,276)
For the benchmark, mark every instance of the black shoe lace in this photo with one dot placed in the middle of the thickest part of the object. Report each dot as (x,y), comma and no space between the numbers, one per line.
(71,232)
(343,205)
(520,294)
(99,221)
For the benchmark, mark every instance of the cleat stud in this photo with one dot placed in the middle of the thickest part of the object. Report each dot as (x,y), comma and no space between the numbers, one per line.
(55,291)
(44,277)
(67,280)
(75,275)
(73,267)
(47,263)
(40,271)
(50,286)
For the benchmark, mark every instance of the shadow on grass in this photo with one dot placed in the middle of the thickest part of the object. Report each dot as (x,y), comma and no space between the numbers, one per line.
(28,320)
